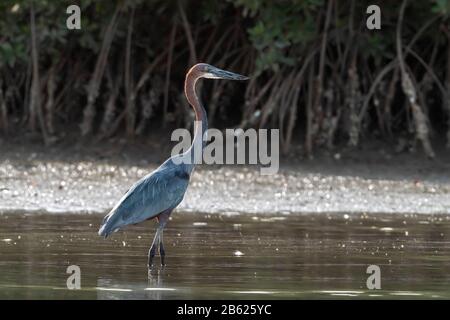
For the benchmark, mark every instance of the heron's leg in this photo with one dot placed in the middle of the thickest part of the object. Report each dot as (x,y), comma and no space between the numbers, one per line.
(162,252)
(157,240)
(163,218)
(152,251)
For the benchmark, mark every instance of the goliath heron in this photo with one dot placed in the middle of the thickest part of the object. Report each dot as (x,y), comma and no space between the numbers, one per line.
(158,193)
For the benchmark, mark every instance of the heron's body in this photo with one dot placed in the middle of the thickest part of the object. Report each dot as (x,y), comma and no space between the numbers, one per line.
(158,193)
(161,190)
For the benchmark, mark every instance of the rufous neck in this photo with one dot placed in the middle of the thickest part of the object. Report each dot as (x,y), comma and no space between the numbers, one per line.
(201,125)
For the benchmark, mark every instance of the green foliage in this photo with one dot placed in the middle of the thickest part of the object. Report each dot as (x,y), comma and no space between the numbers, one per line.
(265,39)
(279,26)
(277,30)
(441,7)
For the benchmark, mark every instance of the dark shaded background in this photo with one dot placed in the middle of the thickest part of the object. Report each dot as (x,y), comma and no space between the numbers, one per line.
(317,72)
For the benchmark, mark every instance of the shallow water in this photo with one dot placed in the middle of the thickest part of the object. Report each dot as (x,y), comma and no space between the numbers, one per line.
(273,256)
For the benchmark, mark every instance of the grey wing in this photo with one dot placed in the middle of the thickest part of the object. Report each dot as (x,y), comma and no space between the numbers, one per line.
(161,190)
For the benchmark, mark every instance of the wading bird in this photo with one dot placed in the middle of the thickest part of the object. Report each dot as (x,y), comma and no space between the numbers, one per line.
(157,194)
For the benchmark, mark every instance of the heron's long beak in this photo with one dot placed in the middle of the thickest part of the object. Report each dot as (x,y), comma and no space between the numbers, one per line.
(217,73)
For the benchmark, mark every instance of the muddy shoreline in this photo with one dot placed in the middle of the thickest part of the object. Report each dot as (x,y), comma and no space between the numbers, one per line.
(80,178)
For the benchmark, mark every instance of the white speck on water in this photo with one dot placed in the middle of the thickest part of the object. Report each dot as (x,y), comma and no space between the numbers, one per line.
(124,243)
(387,229)
(344,294)
(200,224)
(406,293)
(341,292)
(7,240)
(160,289)
(406,233)
(230,213)
(113,289)
(346,216)
(254,292)
(238,253)
(272,219)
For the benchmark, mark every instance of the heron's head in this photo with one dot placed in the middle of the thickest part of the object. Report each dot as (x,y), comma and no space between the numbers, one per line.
(210,72)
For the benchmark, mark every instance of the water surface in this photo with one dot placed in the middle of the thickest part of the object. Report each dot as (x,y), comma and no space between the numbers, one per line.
(275,256)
